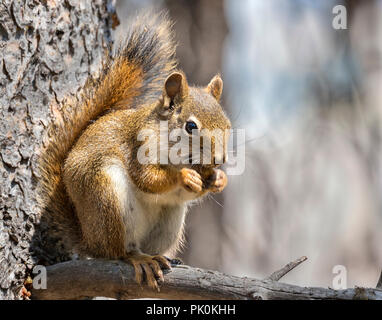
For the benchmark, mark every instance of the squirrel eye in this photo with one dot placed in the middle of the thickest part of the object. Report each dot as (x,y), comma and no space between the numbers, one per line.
(190,125)
(171,105)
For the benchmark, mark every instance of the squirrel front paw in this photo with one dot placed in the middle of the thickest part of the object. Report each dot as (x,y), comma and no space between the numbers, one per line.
(217,181)
(191,180)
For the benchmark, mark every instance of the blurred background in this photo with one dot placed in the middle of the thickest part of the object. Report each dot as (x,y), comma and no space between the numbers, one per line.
(310,100)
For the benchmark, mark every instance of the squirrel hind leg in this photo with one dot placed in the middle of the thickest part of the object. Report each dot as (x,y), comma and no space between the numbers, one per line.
(150,267)
(100,213)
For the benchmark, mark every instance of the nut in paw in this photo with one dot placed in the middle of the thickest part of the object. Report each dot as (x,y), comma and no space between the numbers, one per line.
(217,181)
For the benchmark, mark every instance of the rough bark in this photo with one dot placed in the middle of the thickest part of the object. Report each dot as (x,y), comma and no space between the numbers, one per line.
(47,51)
(88,278)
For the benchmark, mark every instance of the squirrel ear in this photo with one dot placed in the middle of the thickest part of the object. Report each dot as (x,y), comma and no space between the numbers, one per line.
(215,87)
(176,84)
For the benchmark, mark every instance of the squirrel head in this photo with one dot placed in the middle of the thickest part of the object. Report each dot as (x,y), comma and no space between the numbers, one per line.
(197,114)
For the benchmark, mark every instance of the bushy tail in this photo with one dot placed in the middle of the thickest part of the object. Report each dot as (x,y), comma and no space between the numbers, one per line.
(134,74)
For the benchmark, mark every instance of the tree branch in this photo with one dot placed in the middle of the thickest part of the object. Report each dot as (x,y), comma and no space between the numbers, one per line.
(277,275)
(90,278)
(379,284)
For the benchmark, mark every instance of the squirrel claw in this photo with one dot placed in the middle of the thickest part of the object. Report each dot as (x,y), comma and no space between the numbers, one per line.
(150,266)
(174,261)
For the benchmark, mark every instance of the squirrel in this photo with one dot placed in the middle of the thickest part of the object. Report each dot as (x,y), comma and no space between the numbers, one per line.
(98,198)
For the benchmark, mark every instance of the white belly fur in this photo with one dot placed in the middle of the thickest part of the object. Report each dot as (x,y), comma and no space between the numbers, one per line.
(154,222)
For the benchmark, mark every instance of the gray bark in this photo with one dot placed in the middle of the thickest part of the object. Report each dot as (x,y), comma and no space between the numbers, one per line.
(114,279)
(47,51)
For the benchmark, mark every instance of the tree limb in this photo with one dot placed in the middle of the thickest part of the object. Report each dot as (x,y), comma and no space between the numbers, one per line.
(90,278)
(379,284)
(277,275)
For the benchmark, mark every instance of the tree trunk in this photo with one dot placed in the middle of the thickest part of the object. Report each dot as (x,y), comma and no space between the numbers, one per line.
(47,51)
